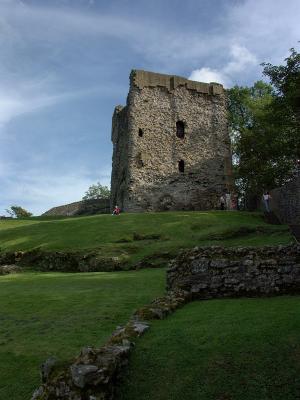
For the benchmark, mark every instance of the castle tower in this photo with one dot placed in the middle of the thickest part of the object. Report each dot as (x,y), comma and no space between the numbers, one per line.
(171,147)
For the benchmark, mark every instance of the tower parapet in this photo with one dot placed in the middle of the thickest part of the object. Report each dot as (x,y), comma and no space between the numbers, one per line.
(143,79)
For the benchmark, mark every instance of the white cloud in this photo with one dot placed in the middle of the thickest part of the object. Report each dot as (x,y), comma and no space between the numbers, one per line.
(254,32)
(257,28)
(156,41)
(22,102)
(15,2)
(241,60)
(208,75)
(270,27)
(67,21)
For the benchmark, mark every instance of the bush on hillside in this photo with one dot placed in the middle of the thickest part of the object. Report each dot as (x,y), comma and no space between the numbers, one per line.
(18,212)
(97,191)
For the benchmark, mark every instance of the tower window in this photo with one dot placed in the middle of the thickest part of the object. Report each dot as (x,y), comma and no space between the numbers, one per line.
(140,160)
(181,166)
(141,133)
(180,129)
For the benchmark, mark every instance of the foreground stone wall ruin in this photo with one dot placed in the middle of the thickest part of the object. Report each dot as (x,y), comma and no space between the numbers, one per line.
(285,202)
(218,272)
(97,372)
(200,273)
(147,150)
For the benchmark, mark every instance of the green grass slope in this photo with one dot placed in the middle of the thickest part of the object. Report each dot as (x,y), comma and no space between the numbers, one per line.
(44,314)
(245,349)
(135,236)
(57,314)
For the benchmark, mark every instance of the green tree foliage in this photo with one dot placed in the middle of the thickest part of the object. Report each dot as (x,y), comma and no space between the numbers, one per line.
(18,212)
(264,127)
(256,141)
(286,81)
(97,191)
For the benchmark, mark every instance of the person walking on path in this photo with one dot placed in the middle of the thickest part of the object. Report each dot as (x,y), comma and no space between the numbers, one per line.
(266,201)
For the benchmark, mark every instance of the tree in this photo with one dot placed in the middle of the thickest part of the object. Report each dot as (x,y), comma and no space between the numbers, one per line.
(286,82)
(260,151)
(18,212)
(264,122)
(286,79)
(97,191)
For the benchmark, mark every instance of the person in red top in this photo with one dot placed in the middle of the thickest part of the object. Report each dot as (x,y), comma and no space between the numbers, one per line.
(116,211)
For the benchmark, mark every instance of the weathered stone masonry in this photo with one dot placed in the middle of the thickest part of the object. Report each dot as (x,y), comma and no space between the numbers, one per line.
(285,202)
(216,272)
(171,145)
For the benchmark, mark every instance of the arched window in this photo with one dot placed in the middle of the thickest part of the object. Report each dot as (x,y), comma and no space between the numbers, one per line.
(180,129)
(181,166)
(141,133)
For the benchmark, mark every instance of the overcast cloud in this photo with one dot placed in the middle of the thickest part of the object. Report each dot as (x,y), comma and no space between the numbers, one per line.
(64,65)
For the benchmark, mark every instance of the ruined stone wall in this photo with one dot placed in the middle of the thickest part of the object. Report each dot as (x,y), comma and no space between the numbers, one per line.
(148,149)
(214,272)
(83,207)
(120,165)
(285,202)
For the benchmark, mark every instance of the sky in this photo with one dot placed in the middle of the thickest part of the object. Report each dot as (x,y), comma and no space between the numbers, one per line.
(65,64)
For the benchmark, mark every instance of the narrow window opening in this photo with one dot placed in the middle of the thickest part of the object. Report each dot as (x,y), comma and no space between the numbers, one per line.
(180,129)
(139,160)
(141,133)
(181,166)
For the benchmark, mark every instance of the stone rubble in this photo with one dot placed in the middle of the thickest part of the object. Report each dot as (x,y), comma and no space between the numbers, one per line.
(93,375)
(9,269)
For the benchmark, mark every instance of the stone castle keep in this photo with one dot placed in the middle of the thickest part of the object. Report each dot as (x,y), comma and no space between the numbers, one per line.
(171,147)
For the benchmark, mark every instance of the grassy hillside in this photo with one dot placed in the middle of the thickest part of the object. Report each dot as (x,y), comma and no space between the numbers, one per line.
(44,314)
(220,350)
(213,350)
(134,236)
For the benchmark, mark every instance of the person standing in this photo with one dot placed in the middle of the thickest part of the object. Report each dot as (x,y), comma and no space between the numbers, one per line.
(222,202)
(234,201)
(266,201)
(228,200)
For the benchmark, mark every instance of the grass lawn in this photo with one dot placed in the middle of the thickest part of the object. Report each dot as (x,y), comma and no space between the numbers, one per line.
(246,349)
(44,314)
(135,236)
(221,350)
